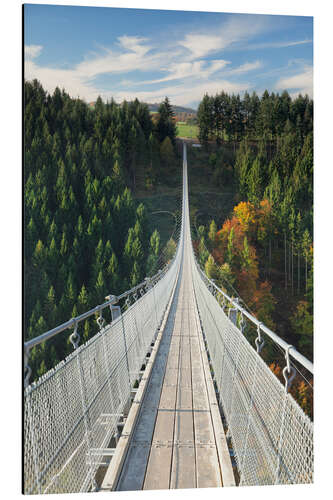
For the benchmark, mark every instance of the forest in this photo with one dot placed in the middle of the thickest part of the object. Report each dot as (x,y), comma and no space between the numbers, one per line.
(85,234)
(262,250)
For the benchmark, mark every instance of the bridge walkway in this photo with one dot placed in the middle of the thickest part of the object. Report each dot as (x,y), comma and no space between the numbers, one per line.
(178,440)
(172,433)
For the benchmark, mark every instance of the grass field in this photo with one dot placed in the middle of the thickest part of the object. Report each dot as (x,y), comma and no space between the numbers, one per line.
(184,130)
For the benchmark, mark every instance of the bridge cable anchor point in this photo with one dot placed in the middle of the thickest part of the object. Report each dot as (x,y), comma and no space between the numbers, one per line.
(75,337)
(288,369)
(260,342)
(100,320)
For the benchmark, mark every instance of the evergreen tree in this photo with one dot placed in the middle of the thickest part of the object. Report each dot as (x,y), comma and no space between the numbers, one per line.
(83,300)
(166,126)
(211,269)
(100,288)
(205,119)
(255,183)
(155,243)
(212,234)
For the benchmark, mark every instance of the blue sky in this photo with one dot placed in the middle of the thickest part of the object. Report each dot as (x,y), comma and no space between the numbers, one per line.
(128,53)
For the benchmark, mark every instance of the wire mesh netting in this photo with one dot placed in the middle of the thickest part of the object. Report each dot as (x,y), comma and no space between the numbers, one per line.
(71,413)
(272,438)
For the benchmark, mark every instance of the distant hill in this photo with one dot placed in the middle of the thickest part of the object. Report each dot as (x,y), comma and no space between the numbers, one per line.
(177,109)
(153,108)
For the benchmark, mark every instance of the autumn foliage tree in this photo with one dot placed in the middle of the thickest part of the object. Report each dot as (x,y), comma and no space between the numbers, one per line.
(234,246)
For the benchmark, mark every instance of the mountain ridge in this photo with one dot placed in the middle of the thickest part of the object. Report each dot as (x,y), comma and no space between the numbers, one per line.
(153,107)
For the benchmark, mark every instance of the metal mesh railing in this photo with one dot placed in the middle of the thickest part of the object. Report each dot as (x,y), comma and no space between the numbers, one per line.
(271,436)
(71,413)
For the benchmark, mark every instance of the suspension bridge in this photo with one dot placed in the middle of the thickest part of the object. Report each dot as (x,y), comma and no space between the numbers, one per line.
(168,394)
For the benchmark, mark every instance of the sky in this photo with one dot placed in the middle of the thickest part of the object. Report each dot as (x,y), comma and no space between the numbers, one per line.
(149,54)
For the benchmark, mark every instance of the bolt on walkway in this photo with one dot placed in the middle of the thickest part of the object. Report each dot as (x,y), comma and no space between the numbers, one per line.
(178,439)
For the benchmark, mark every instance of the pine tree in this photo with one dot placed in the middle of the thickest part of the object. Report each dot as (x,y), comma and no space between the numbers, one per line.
(205,119)
(211,269)
(112,272)
(135,274)
(83,300)
(226,277)
(50,307)
(39,255)
(165,126)
(255,183)
(100,288)
(70,293)
(155,242)
(212,234)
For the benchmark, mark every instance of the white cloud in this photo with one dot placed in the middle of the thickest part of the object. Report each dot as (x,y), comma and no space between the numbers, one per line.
(201,45)
(246,67)
(276,45)
(236,29)
(301,83)
(134,58)
(197,69)
(181,62)
(133,44)
(32,51)
(70,80)
(78,81)
(137,56)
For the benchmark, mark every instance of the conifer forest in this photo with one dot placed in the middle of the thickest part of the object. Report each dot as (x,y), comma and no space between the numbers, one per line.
(87,233)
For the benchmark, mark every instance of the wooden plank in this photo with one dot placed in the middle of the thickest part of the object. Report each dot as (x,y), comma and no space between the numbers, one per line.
(183,433)
(227,474)
(126,448)
(183,474)
(184,396)
(168,397)
(163,433)
(171,376)
(200,398)
(185,374)
(207,463)
(203,429)
(207,466)
(158,470)
(159,463)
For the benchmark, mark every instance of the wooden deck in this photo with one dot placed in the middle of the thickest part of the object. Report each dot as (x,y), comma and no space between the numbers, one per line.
(173,436)
(177,440)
